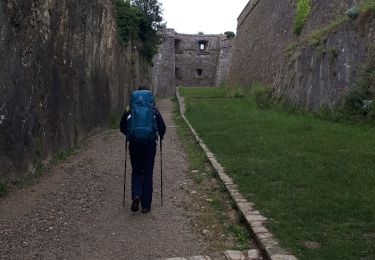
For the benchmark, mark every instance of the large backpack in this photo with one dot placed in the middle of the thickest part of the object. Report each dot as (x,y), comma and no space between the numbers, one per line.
(142,127)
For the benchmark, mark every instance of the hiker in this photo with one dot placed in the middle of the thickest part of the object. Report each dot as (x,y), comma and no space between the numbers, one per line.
(142,144)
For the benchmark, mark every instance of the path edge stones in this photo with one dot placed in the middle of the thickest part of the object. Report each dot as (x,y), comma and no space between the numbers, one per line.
(255,221)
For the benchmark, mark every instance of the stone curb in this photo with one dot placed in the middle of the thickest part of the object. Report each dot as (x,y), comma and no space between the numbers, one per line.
(271,248)
(252,254)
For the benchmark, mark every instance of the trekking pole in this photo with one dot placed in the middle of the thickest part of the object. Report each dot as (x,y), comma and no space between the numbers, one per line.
(126,155)
(161,172)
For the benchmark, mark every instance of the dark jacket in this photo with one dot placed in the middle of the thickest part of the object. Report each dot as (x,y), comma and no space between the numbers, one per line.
(159,121)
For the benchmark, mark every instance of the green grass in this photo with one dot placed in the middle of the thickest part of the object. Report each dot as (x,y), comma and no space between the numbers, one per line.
(199,162)
(202,92)
(313,178)
(39,171)
(302,12)
(114,122)
(3,189)
(64,155)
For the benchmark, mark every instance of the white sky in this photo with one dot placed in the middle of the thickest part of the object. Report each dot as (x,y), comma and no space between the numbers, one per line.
(207,16)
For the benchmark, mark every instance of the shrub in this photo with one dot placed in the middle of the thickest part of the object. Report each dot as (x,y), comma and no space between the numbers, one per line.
(360,99)
(352,12)
(302,12)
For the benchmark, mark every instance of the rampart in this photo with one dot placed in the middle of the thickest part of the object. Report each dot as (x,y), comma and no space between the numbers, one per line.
(63,74)
(265,30)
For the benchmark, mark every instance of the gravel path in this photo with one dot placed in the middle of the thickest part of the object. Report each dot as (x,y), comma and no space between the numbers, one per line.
(75,210)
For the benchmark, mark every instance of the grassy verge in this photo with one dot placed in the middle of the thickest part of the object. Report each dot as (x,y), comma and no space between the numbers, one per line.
(314,179)
(202,93)
(220,208)
(39,170)
(64,155)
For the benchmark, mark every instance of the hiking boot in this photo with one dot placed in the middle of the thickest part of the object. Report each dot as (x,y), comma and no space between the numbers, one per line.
(135,204)
(145,210)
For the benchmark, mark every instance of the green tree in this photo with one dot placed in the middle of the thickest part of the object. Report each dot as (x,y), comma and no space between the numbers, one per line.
(139,21)
(128,19)
(152,9)
(229,34)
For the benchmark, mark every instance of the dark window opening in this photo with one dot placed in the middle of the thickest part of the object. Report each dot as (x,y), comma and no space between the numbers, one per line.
(178,73)
(199,73)
(177,46)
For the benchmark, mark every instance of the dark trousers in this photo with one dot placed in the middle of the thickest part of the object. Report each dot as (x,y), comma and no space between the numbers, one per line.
(142,158)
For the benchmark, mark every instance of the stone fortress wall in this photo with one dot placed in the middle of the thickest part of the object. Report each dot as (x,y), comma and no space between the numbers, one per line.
(64,73)
(310,78)
(190,60)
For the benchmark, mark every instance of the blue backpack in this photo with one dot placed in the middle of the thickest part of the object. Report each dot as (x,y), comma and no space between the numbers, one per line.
(142,127)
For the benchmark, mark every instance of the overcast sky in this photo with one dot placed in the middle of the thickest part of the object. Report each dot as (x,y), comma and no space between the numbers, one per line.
(207,16)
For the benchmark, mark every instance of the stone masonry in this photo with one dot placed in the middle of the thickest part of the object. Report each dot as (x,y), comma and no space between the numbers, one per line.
(317,74)
(190,60)
(63,74)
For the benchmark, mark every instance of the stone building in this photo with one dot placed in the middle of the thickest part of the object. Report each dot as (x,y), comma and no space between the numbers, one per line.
(190,60)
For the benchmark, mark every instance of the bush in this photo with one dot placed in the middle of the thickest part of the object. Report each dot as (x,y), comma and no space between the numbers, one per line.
(263,95)
(360,99)
(302,12)
(352,12)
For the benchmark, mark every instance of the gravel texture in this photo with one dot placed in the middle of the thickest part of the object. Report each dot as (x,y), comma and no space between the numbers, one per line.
(75,210)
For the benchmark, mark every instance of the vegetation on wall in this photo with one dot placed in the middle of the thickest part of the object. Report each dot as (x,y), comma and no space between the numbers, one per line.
(360,100)
(302,12)
(315,37)
(138,21)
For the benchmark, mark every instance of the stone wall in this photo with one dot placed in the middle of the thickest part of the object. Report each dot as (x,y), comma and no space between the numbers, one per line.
(265,30)
(182,62)
(320,76)
(189,60)
(225,59)
(63,74)
(261,38)
(163,71)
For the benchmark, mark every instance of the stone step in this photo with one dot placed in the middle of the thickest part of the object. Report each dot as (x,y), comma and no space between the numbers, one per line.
(252,254)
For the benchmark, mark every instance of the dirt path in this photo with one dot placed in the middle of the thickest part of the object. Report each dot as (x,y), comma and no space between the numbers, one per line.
(75,211)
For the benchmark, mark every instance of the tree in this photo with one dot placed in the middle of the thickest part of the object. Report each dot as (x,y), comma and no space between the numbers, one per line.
(139,21)
(229,34)
(128,19)
(152,9)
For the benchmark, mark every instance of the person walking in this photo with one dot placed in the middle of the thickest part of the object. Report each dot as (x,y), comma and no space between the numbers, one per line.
(142,124)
